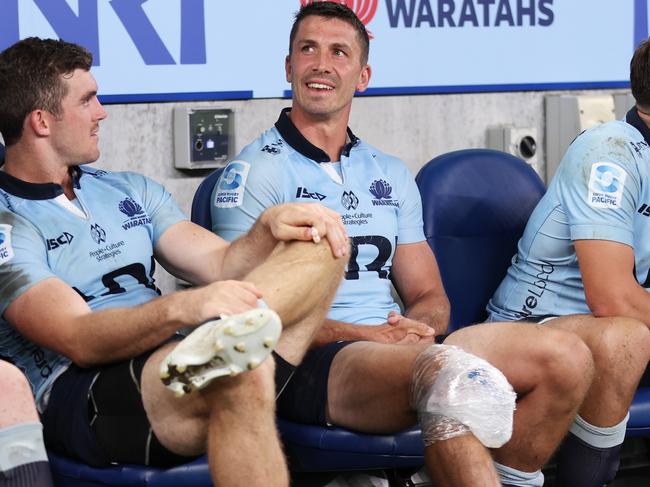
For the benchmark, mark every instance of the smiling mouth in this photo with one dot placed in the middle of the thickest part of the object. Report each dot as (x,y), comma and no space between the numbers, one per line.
(320,86)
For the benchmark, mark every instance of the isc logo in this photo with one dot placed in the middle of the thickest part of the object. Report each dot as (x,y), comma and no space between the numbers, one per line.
(84,28)
(55,243)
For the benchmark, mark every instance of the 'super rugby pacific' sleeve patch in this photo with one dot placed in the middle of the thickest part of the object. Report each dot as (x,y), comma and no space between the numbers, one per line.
(6,250)
(230,190)
(606,184)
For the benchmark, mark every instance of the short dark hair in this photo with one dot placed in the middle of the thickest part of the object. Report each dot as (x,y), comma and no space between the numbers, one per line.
(332,10)
(640,75)
(31,73)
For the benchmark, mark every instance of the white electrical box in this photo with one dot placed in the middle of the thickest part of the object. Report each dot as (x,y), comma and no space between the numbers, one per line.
(518,141)
(569,115)
(203,137)
(622,104)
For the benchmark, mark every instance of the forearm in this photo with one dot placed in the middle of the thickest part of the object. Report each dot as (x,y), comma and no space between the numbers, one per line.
(432,309)
(248,251)
(633,303)
(121,333)
(332,331)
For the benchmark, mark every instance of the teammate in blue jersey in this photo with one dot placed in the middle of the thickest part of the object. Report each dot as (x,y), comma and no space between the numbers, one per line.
(584,251)
(366,360)
(81,315)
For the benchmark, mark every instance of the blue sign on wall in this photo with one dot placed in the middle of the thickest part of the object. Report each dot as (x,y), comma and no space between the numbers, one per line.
(154,50)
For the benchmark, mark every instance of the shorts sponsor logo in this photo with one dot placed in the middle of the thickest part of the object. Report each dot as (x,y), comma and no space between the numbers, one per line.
(231,185)
(134,211)
(349,200)
(6,250)
(606,184)
(382,190)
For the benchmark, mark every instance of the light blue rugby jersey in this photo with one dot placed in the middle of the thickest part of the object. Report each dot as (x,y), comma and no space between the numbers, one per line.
(107,258)
(377,198)
(600,192)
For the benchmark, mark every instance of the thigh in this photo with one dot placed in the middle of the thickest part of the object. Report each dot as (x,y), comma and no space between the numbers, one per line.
(304,398)
(369,387)
(522,351)
(616,343)
(96,415)
(117,413)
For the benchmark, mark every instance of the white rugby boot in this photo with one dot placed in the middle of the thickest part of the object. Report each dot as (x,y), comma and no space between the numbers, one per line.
(221,347)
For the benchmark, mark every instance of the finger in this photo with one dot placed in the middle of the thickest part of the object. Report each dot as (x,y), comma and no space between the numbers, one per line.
(394,318)
(410,338)
(337,238)
(252,288)
(424,330)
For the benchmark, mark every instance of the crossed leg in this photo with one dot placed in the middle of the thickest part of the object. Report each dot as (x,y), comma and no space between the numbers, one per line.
(368,390)
(234,418)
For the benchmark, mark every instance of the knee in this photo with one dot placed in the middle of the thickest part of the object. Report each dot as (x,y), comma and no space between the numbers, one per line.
(621,348)
(318,254)
(566,364)
(13,383)
(252,389)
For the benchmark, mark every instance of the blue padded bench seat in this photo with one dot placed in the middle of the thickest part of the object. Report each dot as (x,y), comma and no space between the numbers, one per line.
(70,473)
(315,448)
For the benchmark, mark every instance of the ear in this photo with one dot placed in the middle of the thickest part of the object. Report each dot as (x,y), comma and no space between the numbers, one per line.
(364,78)
(39,122)
(287,67)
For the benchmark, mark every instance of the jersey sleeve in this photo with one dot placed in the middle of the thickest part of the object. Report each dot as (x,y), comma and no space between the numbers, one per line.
(158,203)
(247,186)
(410,224)
(23,258)
(599,188)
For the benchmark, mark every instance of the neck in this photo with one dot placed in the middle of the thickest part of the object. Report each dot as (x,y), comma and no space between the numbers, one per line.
(644,115)
(29,164)
(329,134)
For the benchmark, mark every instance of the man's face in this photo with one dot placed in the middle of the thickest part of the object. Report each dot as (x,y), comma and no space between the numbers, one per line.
(75,134)
(325,68)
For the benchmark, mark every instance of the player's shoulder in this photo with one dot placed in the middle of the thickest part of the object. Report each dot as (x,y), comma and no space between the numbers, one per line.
(389,163)
(267,149)
(616,138)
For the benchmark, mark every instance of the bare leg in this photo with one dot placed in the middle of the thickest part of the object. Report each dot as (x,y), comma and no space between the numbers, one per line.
(460,461)
(21,437)
(299,281)
(549,369)
(235,417)
(368,390)
(17,405)
(621,349)
(551,373)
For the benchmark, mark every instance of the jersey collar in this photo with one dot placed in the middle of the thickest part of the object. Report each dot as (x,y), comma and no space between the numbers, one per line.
(633,119)
(36,191)
(295,139)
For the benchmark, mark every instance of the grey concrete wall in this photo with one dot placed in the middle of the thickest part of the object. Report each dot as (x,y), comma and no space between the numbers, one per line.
(139,137)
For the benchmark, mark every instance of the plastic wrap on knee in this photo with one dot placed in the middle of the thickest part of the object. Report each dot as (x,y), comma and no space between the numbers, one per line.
(455,392)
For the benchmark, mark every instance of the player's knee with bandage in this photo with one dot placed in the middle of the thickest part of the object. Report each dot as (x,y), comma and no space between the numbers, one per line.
(455,393)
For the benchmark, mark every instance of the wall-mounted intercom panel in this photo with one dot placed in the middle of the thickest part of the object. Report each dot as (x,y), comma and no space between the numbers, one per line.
(203,137)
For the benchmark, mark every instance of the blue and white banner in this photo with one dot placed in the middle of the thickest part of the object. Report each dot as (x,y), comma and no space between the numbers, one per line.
(154,50)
